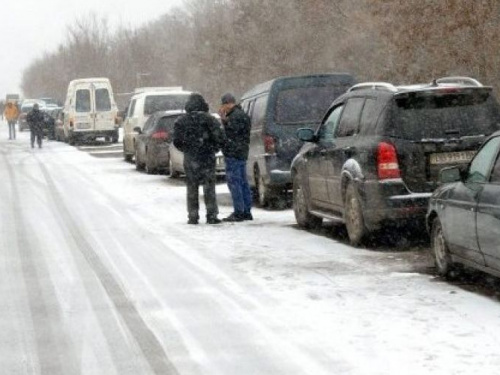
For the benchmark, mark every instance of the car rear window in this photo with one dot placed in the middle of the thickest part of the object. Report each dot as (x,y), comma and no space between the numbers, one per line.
(167,123)
(305,104)
(155,103)
(102,100)
(82,103)
(450,115)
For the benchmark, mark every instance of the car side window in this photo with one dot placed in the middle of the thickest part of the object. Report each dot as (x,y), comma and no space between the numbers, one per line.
(328,128)
(349,122)
(480,166)
(368,115)
(495,172)
(131,108)
(259,111)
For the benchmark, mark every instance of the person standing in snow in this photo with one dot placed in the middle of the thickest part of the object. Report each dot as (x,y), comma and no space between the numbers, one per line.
(199,136)
(236,125)
(11,114)
(35,119)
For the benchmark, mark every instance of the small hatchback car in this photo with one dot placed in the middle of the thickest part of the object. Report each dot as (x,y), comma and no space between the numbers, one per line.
(152,142)
(464,214)
(376,156)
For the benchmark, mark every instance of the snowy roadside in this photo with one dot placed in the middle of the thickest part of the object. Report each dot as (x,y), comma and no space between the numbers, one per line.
(366,307)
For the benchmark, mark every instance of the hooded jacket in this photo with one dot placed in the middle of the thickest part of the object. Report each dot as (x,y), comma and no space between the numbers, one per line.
(198,134)
(11,113)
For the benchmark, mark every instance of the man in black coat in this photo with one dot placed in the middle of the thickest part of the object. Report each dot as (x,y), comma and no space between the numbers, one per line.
(237,130)
(36,119)
(199,136)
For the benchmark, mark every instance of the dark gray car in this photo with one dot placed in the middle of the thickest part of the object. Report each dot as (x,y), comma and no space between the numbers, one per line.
(152,142)
(376,157)
(464,215)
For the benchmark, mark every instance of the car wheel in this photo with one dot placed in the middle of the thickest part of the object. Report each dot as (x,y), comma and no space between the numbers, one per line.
(302,215)
(71,140)
(440,252)
(149,164)
(354,220)
(138,165)
(171,169)
(114,138)
(264,193)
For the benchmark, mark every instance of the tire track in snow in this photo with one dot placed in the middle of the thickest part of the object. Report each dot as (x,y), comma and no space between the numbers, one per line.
(148,343)
(55,350)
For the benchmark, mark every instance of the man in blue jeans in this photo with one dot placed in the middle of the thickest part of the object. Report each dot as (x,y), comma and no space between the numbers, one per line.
(237,129)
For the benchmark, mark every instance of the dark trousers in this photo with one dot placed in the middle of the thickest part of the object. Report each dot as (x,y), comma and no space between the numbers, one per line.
(238,185)
(38,134)
(12,129)
(200,173)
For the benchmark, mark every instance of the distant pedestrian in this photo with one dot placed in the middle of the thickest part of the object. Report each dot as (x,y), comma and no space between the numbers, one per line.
(35,119)
(199,136)
(236,124)
(11,114)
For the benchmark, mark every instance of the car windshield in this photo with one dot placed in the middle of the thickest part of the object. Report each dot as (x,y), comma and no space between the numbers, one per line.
(305,104)
(155,103)
(446,116)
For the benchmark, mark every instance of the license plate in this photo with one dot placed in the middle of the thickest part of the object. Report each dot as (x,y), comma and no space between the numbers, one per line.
(452,157)
(83,125)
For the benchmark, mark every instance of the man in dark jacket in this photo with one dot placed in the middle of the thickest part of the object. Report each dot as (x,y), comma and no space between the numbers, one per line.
(35,119)
(237,130)
(199,136)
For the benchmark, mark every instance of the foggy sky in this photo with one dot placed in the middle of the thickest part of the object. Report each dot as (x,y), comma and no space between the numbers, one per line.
(31,27)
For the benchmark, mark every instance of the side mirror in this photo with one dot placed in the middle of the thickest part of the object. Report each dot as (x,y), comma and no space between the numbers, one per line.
(306,135)
(451,174)
(138,130)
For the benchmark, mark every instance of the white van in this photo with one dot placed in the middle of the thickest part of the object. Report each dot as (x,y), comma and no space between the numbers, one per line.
(90,111)
(145,102)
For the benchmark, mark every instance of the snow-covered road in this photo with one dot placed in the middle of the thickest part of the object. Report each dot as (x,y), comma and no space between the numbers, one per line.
(100,274)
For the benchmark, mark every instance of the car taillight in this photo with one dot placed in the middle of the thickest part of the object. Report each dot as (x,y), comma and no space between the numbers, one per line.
(162,135)
(387,161)
(269,145)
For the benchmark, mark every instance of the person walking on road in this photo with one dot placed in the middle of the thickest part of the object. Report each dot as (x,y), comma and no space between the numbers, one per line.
(35,121)
(236,124)
(199,136)
(11,114)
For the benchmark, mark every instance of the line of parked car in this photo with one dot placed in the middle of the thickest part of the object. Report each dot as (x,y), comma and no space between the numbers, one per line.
(366,155)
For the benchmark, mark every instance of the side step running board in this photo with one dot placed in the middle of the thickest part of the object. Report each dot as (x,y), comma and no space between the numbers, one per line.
(327,216)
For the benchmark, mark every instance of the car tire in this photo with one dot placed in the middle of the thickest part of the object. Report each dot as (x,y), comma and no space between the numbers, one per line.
(300,207)
(149,164)
(114,138)
(441,253)
(138,165)
(171,169)
(264,194)
(71,140)
(353,216)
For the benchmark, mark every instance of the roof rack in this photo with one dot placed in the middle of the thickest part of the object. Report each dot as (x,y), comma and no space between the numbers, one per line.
(374,86)
(465,81)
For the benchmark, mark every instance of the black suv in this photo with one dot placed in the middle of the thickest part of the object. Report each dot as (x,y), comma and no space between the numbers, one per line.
(376,156)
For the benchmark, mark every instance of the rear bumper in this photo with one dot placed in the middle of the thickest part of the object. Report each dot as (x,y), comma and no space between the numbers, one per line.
(276,172)
(93,133)
(391,200)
